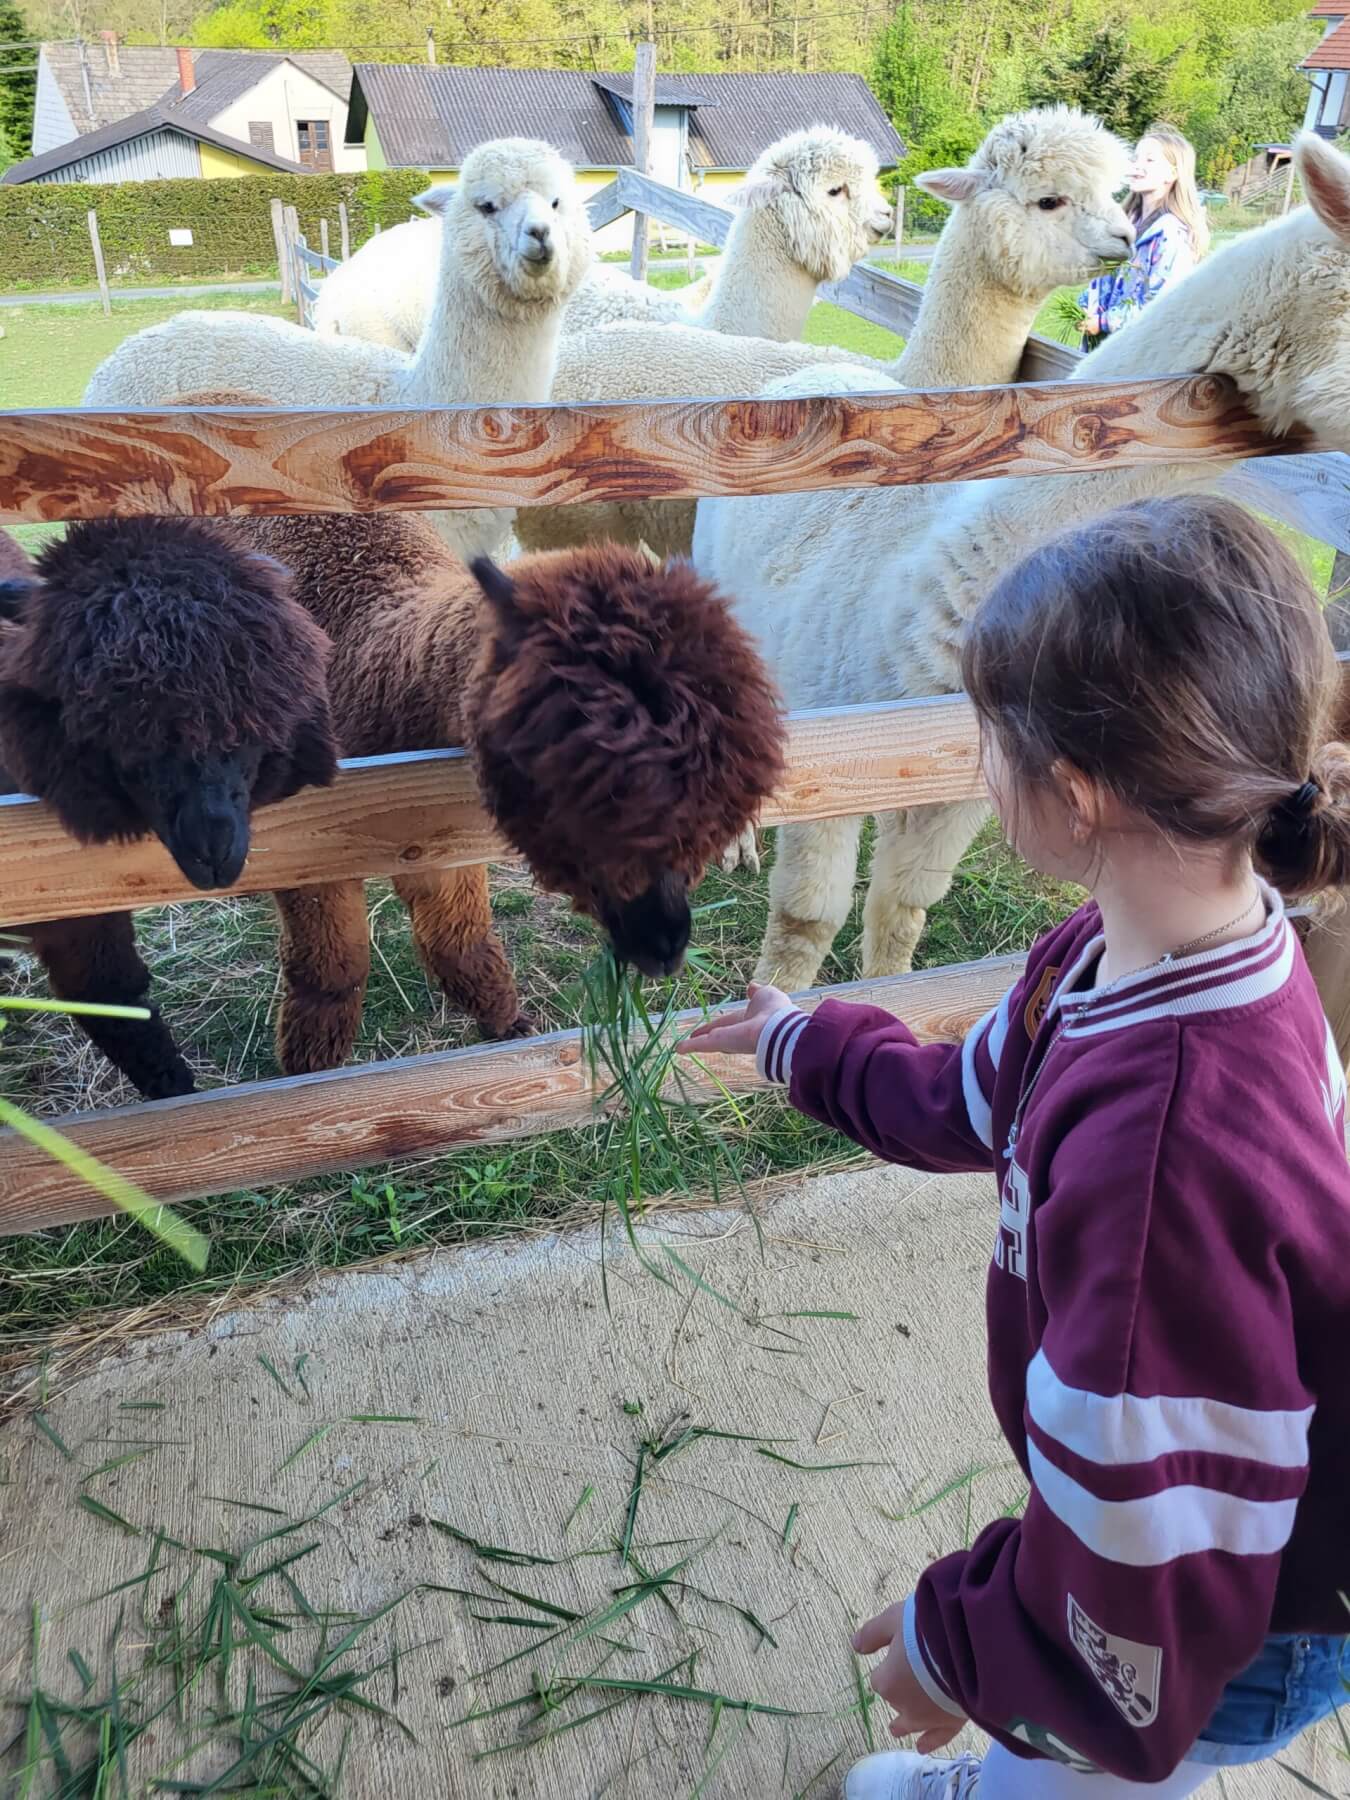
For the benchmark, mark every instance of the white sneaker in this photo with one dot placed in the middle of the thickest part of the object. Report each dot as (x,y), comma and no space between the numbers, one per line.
(905,1775)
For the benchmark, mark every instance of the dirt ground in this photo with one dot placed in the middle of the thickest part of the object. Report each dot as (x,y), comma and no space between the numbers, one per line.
(469,1440)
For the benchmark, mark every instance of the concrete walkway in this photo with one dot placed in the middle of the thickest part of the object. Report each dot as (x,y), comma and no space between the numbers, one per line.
(489,1395)
(87,295)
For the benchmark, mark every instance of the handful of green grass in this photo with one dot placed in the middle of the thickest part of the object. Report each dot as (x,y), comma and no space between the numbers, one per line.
(184,1239)
(1065,319)
(656,1138)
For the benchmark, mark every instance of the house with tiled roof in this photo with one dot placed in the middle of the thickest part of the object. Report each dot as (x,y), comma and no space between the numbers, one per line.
(112,112)
(1327,67)
(707,129)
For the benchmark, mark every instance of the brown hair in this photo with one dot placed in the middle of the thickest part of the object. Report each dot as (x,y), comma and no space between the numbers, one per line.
(1174,652)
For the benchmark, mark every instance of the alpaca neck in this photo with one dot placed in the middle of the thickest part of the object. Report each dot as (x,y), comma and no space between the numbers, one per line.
(759,291)
(471,351)
(972,327)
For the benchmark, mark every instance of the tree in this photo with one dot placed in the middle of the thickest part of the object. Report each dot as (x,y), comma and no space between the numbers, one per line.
(18,80)
(1109,76)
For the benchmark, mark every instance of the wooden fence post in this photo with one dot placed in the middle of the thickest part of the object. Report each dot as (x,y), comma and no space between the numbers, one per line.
(283,258)
(292,263)
(323,236)
(345,229)
(99,270)
(899,214)
(644,114)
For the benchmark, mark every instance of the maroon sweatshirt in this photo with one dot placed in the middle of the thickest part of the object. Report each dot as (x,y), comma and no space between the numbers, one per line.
(1169,1327)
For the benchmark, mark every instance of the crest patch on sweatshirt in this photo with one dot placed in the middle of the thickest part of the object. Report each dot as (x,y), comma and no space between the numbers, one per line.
(1129,1674)
(1034,1011)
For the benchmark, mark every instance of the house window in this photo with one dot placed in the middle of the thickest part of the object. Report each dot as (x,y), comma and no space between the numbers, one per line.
(260,135)
(316,151)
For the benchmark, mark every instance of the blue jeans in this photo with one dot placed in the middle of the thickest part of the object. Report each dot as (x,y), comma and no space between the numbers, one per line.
(1293,1683)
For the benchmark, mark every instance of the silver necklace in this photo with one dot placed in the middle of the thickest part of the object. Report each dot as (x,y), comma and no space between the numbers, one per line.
(1168,956)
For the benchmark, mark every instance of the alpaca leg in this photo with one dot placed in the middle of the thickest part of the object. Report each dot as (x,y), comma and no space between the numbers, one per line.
(912,867)
(459,947)
(325,963)
(810,892)
(96,960)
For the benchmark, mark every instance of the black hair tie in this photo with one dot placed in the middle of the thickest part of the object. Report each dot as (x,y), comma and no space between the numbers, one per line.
(1297,809)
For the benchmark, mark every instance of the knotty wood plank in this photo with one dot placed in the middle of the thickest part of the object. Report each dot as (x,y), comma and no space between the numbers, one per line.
(269,1131)
(389,814)
(84,464)
(605,206)
(708,221)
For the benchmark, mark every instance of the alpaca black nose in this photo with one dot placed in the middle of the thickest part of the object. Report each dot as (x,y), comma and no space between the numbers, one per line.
(208,838)
(540,248)
(652,931)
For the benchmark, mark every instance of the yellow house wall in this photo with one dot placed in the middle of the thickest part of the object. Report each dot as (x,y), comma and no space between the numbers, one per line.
(218,163)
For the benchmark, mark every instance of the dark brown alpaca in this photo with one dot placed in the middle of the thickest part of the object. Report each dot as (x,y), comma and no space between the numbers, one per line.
(623,728)
(156,679)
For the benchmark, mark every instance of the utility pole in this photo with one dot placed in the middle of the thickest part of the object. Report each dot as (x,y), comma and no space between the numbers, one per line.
(644,118)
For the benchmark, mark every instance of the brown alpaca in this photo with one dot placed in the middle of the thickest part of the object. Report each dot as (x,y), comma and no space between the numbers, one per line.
(623,728)
(156,679)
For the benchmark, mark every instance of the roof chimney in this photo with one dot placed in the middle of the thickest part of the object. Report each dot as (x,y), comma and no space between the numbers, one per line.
(110,51)
(187,80)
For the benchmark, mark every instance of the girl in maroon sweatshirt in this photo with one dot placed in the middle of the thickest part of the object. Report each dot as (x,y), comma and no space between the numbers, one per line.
(1161,1103)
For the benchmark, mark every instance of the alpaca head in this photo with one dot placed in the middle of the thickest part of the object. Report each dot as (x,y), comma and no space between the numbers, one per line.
(155,680)
(625,731)
(1271,310)
(819,189)
(514,226)
(1041,193)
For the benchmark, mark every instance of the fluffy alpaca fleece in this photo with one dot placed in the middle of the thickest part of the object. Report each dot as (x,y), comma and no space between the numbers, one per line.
(622,728)
(383,291)
(515,245)
(1001,253)
(1271,311)
(1033,210)
(809,209)
(155,680)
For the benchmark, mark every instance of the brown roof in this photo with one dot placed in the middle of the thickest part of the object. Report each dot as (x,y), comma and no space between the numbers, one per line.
(430,118)
(147,74)
(1334,50)
(1329,9)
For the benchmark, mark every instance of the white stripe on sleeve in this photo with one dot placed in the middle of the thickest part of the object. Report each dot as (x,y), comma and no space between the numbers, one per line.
(977,1106)
(918,1662)
(1112,1429)
(1158,1528)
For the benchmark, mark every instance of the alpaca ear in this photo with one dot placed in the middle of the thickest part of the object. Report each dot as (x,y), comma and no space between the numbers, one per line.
(954,185)
(310,760)
(80,786)
(436,200)
(500,592)
(762,191)
(1325,174)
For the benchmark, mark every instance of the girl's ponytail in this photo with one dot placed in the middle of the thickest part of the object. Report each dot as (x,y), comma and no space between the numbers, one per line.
(1304,844)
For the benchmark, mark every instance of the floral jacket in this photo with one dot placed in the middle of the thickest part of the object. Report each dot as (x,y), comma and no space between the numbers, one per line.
(1162,253)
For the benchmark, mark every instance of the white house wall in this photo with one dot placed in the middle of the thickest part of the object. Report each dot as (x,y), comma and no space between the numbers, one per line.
(52,123)
(281,99)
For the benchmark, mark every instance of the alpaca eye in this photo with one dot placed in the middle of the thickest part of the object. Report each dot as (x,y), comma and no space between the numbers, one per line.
(486,208)
(1051,203)
(835,192)
(555,206)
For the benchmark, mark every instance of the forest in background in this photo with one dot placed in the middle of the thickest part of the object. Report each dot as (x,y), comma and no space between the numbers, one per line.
(1225,71)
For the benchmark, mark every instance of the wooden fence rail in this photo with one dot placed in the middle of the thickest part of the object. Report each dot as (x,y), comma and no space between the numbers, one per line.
(389,814)
(268,1131)
(76,464)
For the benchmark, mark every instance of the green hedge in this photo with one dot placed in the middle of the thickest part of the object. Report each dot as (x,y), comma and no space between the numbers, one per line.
(44,232)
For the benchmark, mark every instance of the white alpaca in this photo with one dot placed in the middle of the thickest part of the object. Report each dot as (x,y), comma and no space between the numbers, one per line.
(1034,208)
(864,596)
(516,244)
(809,209)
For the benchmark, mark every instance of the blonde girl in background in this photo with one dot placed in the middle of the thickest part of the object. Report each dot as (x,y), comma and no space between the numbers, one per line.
(1171,234)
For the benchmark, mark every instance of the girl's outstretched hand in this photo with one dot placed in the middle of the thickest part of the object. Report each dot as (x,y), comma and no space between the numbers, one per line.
(895,1682)
(736,1033)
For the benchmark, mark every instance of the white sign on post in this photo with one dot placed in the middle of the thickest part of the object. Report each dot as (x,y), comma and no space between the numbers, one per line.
(178,238)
